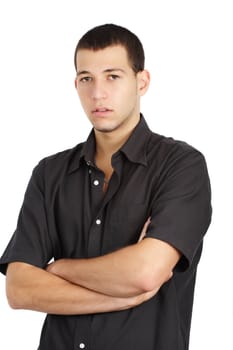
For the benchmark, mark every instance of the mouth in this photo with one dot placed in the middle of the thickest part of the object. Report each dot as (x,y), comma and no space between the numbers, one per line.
(101,111)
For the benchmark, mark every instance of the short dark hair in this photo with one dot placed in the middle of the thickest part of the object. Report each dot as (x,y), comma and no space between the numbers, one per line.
(106,35)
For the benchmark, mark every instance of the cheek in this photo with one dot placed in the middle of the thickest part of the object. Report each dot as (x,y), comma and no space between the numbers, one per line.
(83,96)
(130,94)
(126,92)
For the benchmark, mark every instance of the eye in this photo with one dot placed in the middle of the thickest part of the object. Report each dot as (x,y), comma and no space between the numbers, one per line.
(85,79)
(113,77)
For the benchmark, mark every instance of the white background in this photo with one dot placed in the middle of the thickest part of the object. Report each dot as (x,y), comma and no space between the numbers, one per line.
(189,52)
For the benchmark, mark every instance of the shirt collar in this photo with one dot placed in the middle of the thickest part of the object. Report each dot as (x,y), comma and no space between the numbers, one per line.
(134,148)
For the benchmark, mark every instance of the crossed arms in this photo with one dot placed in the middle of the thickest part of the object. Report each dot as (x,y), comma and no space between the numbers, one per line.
(116,281)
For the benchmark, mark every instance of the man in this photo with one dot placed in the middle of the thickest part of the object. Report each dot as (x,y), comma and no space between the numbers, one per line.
(122,214)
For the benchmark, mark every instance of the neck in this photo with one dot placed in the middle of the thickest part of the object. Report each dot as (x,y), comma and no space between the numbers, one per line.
(108,143)
(106,146)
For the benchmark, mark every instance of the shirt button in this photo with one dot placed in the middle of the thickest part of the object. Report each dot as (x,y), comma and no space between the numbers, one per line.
(96,182)
(82,346)
(98,222)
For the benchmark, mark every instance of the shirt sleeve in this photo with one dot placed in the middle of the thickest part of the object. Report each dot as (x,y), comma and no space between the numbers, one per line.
(181,213)
(30,242)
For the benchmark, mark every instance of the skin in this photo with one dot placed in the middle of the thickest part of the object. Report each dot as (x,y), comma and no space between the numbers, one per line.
(32,288)
(110,93)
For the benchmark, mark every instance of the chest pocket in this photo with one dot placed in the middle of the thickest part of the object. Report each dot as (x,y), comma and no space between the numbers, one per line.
(124,225)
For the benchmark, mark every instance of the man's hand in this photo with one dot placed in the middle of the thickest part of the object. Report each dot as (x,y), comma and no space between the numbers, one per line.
(144,230)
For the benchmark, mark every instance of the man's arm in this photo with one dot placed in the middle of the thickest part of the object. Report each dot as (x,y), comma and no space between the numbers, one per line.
(32,288)
(131,271)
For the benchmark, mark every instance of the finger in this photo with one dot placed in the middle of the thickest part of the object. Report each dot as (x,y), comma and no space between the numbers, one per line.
(144,230)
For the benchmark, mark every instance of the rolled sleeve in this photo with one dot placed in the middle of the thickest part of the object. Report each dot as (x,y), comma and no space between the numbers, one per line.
(30,242)
(181,214)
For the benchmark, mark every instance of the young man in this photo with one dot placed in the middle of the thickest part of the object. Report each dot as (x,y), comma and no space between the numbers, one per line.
(122,214)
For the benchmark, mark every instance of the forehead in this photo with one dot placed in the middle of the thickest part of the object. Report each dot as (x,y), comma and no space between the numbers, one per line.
(102,59)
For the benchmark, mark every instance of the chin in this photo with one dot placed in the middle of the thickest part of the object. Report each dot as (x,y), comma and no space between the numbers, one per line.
(105,127)
(104,130)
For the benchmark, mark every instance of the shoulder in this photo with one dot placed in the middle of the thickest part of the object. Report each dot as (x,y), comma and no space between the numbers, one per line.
(170,157)
(64,156)
(168,149)
(60,163)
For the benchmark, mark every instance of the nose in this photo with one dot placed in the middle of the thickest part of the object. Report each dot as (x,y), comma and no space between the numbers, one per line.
(99,90)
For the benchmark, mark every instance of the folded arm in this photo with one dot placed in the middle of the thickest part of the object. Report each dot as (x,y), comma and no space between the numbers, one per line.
(32,288)
(131,271)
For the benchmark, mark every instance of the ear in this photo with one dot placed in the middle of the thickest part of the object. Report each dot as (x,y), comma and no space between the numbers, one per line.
(143,78)
(75,83)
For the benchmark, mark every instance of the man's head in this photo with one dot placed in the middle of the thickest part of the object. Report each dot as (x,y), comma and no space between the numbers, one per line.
(110,77)
(107,35)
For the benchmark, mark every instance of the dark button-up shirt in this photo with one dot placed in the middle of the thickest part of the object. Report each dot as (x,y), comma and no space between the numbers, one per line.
(65,214)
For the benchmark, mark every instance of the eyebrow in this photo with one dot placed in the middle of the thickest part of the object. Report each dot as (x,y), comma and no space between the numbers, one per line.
(108,70)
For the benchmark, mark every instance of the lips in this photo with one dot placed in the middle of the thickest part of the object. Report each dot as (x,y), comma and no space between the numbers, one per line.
(101,112)
(101,109)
